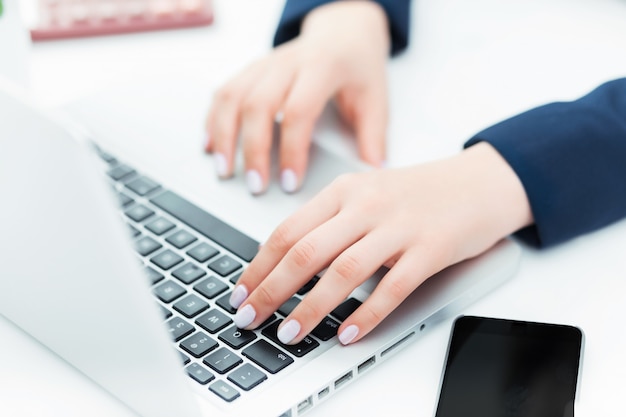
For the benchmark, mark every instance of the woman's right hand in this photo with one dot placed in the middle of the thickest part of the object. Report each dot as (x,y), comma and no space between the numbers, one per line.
(340,53)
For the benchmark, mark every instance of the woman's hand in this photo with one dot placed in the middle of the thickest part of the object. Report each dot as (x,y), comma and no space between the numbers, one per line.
(341,53)
(416,221)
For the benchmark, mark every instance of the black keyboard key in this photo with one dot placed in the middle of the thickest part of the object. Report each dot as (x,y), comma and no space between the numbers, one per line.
(124,200)
(247,377)
(166,259)
(134,232)
(106,157)
(139,213)
(181,238)
(153,275)
(184,358)
(188,273)
(202,252)
(326,330)
(121,171)
(267,321)
(159,226)
(222,360)
(308,286)
(237,338)
(224,302)
(165,312)
(168,291)
(300,349)
(224,390)
(235,278)
(142,185)
(211,287)
(179,328)
(208,225)
(191,306)
(200,373)
(213,321)
(343,311)
(198,344)
(288,306)
(224,265)
(267,356)
(146,245)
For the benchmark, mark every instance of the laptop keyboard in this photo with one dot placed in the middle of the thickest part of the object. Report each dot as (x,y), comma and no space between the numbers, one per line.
(192,261)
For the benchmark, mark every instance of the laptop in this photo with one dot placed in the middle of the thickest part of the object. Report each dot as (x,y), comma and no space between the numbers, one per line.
(122,250)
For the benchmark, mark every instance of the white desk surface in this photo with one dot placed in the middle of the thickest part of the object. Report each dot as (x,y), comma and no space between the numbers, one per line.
(470,63)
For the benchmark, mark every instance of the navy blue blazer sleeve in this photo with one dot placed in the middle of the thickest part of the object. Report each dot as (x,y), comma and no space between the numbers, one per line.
(397,13)
(571,160)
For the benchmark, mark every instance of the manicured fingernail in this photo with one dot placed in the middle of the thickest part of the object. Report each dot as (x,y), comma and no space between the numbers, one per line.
(221,167)
(288,331)
(244,316)
(238,296)
(289,181)
(348,334)
(254,181)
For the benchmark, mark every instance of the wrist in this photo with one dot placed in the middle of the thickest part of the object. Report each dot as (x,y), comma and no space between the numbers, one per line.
(486,198)
(503,200)
(356,18)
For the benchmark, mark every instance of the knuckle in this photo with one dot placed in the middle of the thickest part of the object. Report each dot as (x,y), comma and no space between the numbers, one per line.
(294,112)
(225,95)
(347,268)
(344,182)
(264,296)
(253,105)
(281,239)
(303,254)
(396,290)
(309,311)
(372,315)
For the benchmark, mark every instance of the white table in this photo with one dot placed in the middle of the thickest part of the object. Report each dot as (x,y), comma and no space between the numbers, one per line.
(470,64)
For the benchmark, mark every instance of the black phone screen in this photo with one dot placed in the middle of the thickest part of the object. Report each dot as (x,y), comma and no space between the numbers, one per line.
(505,368)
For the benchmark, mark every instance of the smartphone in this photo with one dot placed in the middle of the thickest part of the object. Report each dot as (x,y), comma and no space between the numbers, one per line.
(506,368)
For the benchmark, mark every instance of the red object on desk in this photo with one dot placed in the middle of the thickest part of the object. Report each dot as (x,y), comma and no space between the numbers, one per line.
(59,19)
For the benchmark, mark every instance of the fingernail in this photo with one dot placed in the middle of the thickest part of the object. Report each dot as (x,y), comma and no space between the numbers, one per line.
(288,331)
(254,181)
(221,167)
(244,316)
(288,181)
(238,296)
(348,334)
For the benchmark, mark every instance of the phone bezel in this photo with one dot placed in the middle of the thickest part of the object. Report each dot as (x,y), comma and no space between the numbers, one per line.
(505,327)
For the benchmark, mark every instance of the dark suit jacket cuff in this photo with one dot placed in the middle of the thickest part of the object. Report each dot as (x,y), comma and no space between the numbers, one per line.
(570,158)
(295,10)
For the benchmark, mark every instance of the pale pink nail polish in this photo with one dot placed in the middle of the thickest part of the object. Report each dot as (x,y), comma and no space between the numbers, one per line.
(221,166)
(245,316)
(288,331)
(238,296)
(348,334)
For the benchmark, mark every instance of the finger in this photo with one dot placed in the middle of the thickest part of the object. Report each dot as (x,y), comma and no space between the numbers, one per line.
(307,98)
(224,117)
(411,270)
(306,258)
(257,123)
(349,270)
(370,124)
(318,210)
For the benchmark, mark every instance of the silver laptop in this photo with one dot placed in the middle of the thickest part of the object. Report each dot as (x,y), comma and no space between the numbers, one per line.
(120,258)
